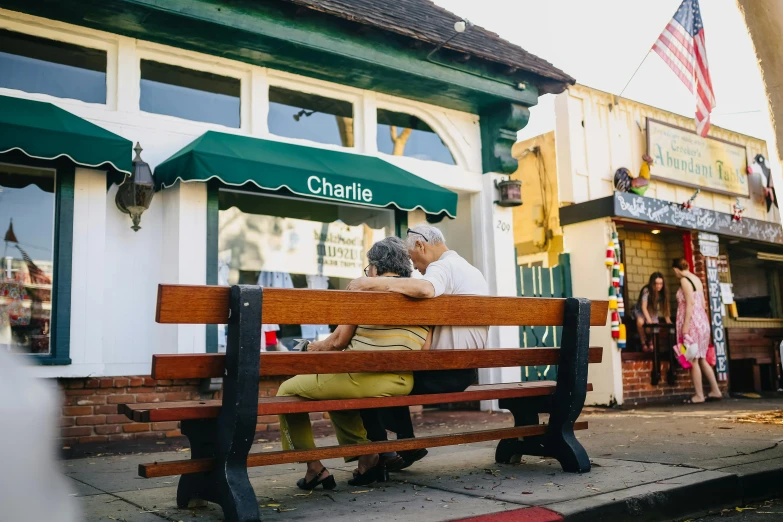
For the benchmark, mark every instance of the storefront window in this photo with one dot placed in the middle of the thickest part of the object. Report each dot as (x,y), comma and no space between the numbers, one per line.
(188,94)
(284,242)
(755,285)
(402,134)
(311,117)
(27,202)
(32,64)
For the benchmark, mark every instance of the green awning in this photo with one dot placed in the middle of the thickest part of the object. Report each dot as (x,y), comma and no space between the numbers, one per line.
(308,171)
(42,130)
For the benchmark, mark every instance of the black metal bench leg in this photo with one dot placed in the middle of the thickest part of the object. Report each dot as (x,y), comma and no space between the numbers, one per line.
(571,390)
(525,412)
(202,434)
(238,414)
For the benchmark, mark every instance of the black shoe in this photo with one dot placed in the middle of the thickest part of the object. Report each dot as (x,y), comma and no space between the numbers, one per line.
(412,456)
(327,483)
(377,473)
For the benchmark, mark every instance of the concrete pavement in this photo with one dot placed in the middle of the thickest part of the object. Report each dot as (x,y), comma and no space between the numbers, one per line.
(658,463)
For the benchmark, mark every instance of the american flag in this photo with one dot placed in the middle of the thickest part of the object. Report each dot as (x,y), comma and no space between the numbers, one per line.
(37,276)
(682,47)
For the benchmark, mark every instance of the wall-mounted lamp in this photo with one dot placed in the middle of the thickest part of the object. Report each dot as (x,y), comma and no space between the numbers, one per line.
(655,231)
(135,194)
(510,193)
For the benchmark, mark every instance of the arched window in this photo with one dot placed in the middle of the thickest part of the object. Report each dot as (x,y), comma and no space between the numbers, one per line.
(401,134)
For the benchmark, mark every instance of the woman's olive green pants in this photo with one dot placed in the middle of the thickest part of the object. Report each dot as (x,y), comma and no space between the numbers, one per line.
(296,432)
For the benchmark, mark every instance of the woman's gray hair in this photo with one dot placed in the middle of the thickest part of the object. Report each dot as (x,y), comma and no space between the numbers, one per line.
(426,233)
(389,255)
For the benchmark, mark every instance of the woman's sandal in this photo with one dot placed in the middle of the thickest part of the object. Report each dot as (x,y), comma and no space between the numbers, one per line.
(327,483)
(377,473)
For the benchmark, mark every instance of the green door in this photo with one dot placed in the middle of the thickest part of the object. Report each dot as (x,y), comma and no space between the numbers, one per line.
(543,282)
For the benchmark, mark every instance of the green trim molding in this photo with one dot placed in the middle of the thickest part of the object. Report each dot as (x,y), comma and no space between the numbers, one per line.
(499,127)
(60,339)
(213,216)
(283,36)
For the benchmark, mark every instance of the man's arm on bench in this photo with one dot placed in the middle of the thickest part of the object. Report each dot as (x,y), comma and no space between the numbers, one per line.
(420,288)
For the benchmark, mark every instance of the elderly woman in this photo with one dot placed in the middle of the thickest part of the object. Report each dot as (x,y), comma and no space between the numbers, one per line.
(387,258)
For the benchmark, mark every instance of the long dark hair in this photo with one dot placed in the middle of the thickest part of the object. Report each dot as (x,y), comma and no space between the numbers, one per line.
(655,297)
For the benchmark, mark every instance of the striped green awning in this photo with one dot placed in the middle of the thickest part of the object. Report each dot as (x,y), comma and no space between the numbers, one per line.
(42,130)
(307,171)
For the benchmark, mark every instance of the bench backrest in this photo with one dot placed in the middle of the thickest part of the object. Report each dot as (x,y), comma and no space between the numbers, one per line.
(210,305)
(181,304)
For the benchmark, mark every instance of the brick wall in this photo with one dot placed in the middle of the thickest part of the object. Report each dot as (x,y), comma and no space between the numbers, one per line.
(638,390)
(89,412)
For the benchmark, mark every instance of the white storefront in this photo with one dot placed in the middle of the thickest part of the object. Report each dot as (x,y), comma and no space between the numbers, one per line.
(115,271)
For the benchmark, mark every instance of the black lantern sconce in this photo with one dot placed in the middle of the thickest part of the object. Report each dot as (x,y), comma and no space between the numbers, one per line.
(135,193)
(510,193)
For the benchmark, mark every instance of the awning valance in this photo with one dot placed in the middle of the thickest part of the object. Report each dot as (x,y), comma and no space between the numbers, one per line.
(44,131)
(308,171)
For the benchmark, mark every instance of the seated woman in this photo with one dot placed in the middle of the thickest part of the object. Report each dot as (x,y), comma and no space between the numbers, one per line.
(652,304)
(387,258)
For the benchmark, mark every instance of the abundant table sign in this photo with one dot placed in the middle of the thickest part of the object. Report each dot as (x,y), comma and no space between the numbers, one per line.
(683,157)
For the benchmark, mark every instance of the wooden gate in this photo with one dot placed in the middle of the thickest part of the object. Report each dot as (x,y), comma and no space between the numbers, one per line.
(537,281)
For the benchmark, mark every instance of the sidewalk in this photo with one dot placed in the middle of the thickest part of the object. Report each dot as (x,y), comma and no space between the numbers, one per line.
(658,463)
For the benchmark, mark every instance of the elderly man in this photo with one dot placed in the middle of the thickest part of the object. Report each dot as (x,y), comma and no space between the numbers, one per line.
(444,272)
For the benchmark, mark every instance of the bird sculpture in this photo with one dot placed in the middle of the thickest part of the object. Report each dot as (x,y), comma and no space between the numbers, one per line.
(769,189)
(624,182)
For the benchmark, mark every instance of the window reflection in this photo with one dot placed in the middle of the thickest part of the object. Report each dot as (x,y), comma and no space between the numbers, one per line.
(188,94)
(283,242)
(402,134)
(27,264)
(32,64)
(311,117)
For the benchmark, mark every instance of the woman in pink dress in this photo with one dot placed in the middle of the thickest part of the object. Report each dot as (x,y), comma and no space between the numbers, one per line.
(693,326)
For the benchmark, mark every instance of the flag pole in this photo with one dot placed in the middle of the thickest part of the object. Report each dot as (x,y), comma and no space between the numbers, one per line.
(617,97)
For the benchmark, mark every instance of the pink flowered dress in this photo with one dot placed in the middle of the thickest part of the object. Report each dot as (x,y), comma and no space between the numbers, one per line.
(700,322)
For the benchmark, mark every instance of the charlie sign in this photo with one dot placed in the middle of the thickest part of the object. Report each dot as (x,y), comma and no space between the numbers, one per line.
(683,157)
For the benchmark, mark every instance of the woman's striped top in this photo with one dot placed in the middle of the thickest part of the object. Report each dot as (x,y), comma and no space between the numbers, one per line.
(372,337)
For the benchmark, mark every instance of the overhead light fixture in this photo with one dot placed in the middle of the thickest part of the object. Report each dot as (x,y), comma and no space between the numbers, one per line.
(765,256)
(461,25)
(655,231)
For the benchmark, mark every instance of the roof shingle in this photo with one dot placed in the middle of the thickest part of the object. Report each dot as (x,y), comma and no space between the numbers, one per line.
(425,21)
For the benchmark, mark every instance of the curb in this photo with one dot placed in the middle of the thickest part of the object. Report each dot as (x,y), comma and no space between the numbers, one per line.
(676,498)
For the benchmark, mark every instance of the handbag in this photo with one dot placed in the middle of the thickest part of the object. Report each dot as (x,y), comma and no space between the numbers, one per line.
(679,354)
(691,351)
(712,358)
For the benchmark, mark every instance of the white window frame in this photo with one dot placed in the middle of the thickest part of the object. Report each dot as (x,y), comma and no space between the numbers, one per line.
(66,34)
(169,56)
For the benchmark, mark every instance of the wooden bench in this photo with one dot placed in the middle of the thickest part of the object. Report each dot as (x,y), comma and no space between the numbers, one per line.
(221,432)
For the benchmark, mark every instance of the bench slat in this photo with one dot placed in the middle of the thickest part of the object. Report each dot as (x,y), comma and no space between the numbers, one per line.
(184,304)
(181,467)
(186,410)
(202,366)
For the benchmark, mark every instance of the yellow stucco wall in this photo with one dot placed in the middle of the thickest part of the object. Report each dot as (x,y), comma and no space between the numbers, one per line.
(533,233)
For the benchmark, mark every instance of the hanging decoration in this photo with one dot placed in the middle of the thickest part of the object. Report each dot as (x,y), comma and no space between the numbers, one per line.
(688,205)
(610,254)
(738,210)
(621,340)
(615,325)
(760,166)
(624,182)
(617,280)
